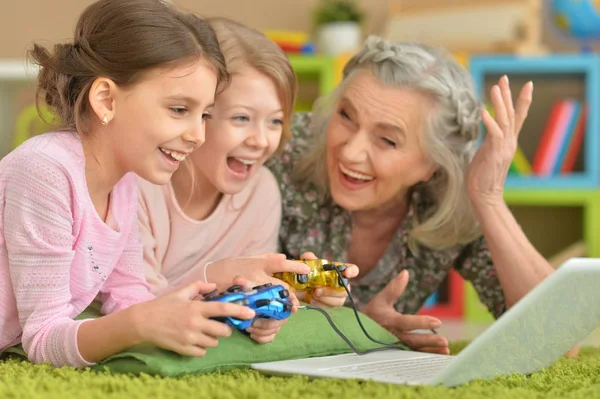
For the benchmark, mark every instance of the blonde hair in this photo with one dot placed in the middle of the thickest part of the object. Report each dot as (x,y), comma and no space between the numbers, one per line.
(449,139)
(243,46)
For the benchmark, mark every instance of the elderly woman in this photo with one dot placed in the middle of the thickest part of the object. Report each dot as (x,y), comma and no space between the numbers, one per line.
(385,174)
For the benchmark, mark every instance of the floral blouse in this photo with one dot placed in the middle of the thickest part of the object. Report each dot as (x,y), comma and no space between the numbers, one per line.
(324,228)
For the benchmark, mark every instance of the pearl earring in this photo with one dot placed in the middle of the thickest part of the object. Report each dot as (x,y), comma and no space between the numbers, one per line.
(105,120)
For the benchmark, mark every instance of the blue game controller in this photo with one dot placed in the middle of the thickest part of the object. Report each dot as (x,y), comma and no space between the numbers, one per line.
(268,301)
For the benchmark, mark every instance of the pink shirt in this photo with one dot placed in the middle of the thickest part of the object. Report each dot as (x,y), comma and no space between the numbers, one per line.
(177,248)
(56,254)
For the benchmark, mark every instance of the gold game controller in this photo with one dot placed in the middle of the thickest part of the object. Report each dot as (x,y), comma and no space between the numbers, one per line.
(322,274)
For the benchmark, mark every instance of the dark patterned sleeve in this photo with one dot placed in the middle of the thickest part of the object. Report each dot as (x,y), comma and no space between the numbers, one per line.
(475,265)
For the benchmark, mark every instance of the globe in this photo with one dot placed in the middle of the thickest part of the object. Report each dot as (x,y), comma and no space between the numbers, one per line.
(578,19)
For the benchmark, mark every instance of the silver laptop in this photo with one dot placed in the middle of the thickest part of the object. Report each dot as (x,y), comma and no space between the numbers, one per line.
(555,316)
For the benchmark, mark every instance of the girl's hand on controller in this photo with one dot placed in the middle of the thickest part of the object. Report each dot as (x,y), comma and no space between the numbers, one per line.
(328,297)
(263,331)
(180,323)
(256,268)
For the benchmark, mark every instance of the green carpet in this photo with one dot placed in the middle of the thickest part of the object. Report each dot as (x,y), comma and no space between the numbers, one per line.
(577,377)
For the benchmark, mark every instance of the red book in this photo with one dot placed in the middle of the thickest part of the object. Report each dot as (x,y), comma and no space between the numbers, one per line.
(549,135)
(575,143)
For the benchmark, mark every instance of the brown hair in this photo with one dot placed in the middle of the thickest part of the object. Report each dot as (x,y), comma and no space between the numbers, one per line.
(121,40)
(243,46)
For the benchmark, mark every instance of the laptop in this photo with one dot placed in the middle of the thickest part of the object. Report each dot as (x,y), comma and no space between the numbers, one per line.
(556,315)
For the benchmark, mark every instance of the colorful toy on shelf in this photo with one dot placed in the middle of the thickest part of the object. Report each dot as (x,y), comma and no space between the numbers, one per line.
(292,42)
(578,138)
(520,163)
(576,20)
(431,301)
(450,305)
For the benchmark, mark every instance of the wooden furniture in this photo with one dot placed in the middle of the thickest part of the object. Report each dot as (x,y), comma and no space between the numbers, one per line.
(472,26)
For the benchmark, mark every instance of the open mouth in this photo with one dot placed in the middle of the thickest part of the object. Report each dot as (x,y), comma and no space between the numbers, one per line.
(240,167)
(354,179)
(173,156)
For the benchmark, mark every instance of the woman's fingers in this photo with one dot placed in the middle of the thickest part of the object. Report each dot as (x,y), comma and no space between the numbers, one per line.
(494,132)
(390,293)
(406,323)
(500,109)
(417,341)
(523,104)
(438,350)
(508,103)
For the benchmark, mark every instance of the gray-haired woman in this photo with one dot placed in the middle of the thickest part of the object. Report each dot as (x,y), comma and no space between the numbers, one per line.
(386,174)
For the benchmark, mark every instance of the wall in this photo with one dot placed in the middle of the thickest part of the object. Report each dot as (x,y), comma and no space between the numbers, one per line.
(25,21)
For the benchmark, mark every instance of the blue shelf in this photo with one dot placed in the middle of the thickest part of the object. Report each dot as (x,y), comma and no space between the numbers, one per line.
(556,64)
(573,181)
(552,64)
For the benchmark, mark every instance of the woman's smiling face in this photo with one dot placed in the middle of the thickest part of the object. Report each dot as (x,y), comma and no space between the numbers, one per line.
(374,153)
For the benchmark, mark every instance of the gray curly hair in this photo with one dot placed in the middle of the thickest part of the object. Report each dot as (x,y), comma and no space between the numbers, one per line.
(449,139)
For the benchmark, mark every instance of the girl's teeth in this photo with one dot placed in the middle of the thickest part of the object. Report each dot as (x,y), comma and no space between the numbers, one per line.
(245,161)
(355,175)
(176,155)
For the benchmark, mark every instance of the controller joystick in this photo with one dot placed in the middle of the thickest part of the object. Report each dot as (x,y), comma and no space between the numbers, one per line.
(234,289)
(323,273)
(267,301)
(211,295)
(258,287)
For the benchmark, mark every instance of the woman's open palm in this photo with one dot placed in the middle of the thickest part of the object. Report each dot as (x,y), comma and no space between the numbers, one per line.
(490,165)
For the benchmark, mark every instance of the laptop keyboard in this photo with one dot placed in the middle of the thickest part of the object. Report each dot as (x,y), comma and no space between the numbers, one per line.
(418,369)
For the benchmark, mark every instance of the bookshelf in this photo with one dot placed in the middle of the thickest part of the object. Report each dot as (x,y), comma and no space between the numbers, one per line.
(316,67)
(559,75)
(316,76)
(560,211)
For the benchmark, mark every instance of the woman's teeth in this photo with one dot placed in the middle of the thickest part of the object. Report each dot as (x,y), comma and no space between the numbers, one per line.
(355,175)
(178,156)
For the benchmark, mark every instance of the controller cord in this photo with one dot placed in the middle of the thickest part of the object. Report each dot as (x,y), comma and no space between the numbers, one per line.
(386,345)
(341,334)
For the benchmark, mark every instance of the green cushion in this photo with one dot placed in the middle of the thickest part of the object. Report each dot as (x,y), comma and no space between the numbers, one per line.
(307,334)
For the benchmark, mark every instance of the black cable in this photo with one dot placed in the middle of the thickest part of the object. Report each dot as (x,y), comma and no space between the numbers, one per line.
(386,345)
(395,344)
(341,334)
